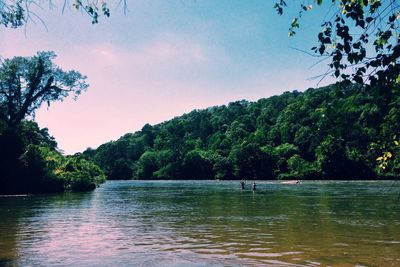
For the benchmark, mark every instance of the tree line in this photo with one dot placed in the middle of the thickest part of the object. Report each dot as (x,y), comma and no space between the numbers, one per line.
(334,132)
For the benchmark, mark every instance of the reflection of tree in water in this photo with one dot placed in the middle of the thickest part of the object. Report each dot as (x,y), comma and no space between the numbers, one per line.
(10,212)
(24,220)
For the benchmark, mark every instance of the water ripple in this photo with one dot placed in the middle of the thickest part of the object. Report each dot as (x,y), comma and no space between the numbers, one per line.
(203,223)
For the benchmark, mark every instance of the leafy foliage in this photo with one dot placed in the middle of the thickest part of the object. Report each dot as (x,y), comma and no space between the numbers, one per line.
(323,133)
(16,13)
(30,163)
(360,37)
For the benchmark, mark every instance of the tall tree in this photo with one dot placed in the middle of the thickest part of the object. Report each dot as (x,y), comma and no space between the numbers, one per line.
(28,82)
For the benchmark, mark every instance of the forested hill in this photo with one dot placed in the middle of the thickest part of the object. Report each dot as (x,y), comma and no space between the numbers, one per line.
(335,132)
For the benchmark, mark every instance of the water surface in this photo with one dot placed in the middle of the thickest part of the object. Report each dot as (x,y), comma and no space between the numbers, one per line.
(205,223)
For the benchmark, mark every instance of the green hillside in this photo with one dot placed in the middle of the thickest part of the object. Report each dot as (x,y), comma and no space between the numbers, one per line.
(334,132)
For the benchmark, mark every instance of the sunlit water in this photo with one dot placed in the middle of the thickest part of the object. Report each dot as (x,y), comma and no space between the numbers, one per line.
(205,223)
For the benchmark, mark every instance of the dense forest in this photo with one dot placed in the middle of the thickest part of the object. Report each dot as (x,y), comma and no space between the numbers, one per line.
(334,132)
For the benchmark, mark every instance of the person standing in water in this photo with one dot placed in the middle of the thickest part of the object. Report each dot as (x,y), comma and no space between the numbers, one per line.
(242,183)
(254,186)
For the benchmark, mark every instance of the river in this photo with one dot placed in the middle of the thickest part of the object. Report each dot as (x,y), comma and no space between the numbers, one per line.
(205,223)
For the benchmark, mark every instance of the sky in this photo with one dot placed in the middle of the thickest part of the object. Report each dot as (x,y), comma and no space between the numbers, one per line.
(163,59)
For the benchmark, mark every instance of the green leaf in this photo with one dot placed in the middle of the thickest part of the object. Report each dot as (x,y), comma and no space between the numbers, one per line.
(295,23)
